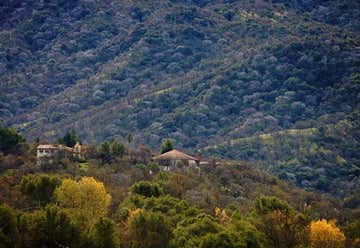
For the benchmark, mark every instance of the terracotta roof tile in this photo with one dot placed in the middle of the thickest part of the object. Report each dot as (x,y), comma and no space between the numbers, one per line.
(175,155)
(55,147)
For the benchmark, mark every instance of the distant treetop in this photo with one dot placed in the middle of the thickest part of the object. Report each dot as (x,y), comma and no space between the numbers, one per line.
(9,139)
(69,139)
(167,146)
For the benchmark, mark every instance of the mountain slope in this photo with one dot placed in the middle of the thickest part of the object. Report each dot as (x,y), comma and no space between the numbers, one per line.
(185,70)
(199,72)
(324,159)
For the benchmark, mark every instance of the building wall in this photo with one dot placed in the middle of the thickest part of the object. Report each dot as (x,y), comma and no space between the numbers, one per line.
(46,153)
(169,165)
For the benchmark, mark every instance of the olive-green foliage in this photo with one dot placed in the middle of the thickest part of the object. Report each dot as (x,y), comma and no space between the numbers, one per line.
(9,233)
(323,158)
(247,232)
(105,151)
(104,235)
(39,187)
(352,233)
(51,227)
(173,208)
(9,139)
(130,138)
(148,230)
(282,226)
(265,205)
(222,240)
(134,201)
(284,230)
(110,150)
(147,189)
(154,167)
(191,231)
(166,146)
(117,149)
(162,177)
(69,139)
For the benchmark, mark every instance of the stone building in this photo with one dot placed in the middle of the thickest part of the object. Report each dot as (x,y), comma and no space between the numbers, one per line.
(52,152)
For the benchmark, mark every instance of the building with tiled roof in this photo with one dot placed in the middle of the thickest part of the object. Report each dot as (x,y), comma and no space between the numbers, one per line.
(176,159)
(54,151)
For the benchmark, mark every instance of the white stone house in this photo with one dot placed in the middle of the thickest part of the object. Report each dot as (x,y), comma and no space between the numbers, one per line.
(177,159)
(50,152)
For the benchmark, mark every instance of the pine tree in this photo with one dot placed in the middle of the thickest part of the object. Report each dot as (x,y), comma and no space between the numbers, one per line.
(167,146)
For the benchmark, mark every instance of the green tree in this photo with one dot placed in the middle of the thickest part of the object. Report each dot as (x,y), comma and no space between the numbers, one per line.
(105,152)
(147,189)
(69,139)
(86,200)
(148,230)
(9,233)
(51,227)
(130,138)
(264,205)
(104,235)
(191,231)
(246,230)
(109,151)
(352,233)
(117,149)
(167,146)
(222,240)
(9,139)
(281,224)
(39,187)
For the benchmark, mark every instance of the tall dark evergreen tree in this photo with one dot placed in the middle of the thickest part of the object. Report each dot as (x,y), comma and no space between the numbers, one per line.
(69,139)
(9,139)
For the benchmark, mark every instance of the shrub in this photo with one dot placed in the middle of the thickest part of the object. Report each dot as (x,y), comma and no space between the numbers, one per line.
(147,189)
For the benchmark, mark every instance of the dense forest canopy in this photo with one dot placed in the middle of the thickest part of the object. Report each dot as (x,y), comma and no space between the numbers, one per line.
(275,83)
(127,202)
(199,72)
(266,93)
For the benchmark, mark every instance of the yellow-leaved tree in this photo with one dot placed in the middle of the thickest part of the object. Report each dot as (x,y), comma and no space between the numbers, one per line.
(221,215)
(325,233)
(86,200)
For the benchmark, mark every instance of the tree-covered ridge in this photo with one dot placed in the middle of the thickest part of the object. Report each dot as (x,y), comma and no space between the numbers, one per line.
(191,71)
(118,203)
(323,158)
(339,13)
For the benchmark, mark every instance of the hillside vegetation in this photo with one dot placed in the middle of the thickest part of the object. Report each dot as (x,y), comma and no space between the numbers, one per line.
(324,158)
(194,71)
(273,83)
(119,203)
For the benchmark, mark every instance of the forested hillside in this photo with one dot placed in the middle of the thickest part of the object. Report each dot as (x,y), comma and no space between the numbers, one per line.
(127,202)
(324,158)
(275,83)
(194,71)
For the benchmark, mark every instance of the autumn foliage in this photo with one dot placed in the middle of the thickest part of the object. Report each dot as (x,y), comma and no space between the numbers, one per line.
(86,199)
(325,233)
(221,215)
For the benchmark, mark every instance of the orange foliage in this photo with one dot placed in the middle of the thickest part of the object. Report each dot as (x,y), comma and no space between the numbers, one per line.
(324,233)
